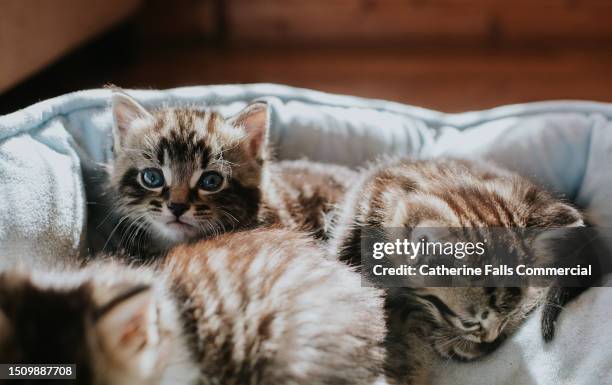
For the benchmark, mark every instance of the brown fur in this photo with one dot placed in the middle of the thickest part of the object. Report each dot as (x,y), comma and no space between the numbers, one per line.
(277,310)
(301,195)
(256,307)
(443,193)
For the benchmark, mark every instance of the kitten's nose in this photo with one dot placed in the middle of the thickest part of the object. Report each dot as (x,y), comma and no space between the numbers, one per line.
(488,336)
(177,208)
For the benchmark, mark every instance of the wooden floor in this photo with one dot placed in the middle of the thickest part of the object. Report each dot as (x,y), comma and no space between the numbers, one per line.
(447,79)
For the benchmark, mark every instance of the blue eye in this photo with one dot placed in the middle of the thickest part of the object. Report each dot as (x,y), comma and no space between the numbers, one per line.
(210,181)
(152,178)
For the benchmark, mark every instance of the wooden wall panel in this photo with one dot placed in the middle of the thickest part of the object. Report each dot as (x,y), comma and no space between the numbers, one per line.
(418,21)
(35,33)
(178,20)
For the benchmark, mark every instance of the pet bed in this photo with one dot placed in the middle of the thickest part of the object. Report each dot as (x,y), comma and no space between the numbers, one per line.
(565,146)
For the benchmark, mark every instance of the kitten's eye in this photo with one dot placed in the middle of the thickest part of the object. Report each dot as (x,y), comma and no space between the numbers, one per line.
(469,324)
(210,181)
(152,178)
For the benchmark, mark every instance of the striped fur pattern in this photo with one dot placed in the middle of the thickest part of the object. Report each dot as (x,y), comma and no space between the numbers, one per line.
(182,174)
(302,194)
(254,307)
(458,323)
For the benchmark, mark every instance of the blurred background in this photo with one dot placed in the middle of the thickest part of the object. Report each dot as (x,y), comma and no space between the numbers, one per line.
(450,55)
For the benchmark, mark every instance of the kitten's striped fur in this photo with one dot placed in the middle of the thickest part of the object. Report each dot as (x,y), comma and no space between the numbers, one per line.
(302,194)
(184,145)
(254,307)
(460,323)
(443,193)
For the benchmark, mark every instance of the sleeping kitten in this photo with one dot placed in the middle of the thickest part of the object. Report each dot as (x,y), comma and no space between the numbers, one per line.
(181,174)
(253,307)
(455,322)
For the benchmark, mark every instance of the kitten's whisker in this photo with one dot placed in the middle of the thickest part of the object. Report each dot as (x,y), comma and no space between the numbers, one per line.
(129,232)
(111,212)
(229,215)
(547,303)
(125,217)
(144,235)
(450,340)
(139,236)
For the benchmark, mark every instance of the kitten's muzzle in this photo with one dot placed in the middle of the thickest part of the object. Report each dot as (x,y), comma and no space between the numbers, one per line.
(178,209)
(488,336)
(491,332)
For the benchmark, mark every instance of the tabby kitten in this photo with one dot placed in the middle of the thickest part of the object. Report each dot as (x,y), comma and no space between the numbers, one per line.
(181,174)
(459,323)
(253,307)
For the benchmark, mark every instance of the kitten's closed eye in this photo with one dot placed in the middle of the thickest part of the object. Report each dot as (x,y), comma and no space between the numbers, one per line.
(470,325)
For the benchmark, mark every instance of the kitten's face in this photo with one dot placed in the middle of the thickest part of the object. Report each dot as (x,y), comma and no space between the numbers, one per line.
(117,333)
(183,174)
(472,322)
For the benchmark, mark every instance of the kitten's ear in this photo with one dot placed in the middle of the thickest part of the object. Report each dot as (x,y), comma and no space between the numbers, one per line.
(557,214)
(126,112)
(127,329)
(254,119)
(557,227)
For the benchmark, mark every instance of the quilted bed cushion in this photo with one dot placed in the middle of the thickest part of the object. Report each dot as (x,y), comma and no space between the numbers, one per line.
(564,146)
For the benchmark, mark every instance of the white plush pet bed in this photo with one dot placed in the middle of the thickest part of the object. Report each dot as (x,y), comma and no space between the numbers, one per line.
(564,146)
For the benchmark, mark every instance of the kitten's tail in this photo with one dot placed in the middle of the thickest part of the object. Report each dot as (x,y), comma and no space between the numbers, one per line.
(591,249)
(556,299)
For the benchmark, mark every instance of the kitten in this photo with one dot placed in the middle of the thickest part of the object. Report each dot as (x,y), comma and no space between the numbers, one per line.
(459,323)
(253,307)
(181,174)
